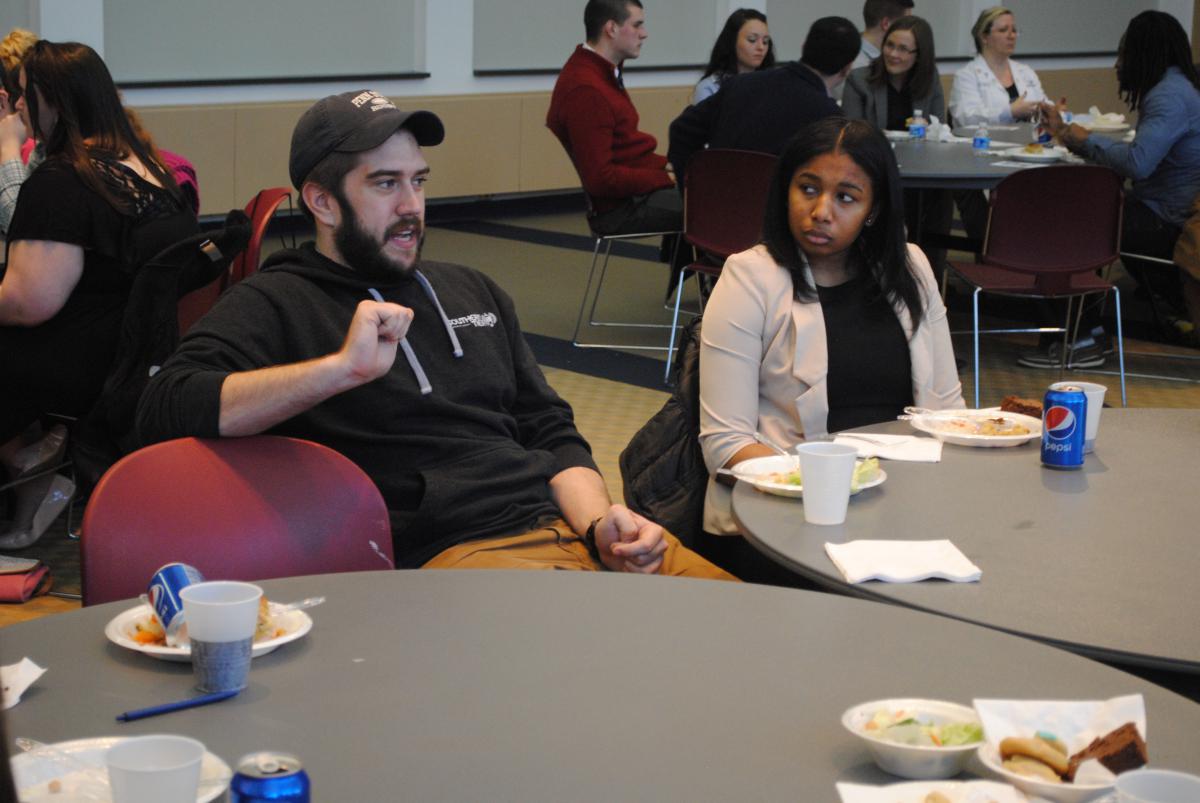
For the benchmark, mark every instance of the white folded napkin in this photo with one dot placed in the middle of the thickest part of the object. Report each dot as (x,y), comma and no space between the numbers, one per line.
(16,678)
(894,447)
(902,561)
(910,792)
(1101,118)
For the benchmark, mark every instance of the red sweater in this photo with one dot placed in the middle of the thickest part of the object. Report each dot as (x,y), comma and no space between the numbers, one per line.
(596,122)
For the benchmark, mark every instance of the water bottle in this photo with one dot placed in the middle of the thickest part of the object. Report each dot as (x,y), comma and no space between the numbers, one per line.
(918,126)
(982,141)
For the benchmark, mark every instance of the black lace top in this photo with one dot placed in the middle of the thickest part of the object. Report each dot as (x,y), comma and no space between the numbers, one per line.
(60,365)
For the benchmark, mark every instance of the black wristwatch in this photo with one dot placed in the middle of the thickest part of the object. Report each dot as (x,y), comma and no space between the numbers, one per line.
(589,540)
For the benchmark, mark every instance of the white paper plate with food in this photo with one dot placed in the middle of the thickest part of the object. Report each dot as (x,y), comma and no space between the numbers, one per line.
(780,475)
(1037,153)
(916,738)
(988,428)
(932,792)
(137,629)
(76,768)
(1067,751)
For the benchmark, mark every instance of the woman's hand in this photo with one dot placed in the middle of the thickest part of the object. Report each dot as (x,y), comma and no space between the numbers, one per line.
(1022,108)
(12,137)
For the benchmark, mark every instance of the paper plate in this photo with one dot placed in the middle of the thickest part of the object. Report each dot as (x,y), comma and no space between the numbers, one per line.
(33,772)
(120,629)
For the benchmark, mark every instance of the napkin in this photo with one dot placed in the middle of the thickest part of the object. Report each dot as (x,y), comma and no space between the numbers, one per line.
(1110,118)
(894,447)
(909,792)
(902,561)
(16,678)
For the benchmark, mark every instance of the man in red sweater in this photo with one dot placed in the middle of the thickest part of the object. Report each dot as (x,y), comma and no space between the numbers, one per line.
(592,115)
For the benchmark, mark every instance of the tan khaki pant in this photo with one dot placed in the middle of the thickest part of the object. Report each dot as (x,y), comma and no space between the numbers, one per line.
(555,546)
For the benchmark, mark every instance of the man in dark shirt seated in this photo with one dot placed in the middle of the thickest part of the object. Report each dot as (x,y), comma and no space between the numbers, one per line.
(478,458)
(760,111)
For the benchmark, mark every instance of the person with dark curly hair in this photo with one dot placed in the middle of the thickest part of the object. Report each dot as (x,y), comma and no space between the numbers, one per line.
(1157,80)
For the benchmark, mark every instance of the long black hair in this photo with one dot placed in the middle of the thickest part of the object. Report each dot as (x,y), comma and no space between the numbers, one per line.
(880,251)
(924,70)
(723,61)
(1153,42)
(73,80)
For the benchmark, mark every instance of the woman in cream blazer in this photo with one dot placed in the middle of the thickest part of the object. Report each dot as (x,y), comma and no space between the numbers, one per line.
(764,355)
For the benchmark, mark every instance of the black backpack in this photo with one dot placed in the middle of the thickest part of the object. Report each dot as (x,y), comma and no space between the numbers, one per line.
(662,468)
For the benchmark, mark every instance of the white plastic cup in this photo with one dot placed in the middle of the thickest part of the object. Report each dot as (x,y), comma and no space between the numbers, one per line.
(1095,403)
(221,617)
(155,769)
(1157,786)
(826,470)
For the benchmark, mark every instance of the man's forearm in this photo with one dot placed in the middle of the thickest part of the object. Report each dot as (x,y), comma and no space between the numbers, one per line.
(255,401)
(581,496)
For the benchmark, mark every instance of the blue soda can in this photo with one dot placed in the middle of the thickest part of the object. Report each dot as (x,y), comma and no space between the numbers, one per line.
(1064,414)
(270,777)
(165,585)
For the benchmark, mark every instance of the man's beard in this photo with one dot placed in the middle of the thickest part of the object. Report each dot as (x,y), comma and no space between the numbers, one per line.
(365,255)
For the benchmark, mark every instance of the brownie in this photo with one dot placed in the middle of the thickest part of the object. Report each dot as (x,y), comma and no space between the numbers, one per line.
(1015,404)
(1119,751)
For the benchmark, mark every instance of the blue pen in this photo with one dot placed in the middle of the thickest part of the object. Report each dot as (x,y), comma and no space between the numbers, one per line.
(166,708)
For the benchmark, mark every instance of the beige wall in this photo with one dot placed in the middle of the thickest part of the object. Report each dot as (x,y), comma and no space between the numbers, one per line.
(495,144)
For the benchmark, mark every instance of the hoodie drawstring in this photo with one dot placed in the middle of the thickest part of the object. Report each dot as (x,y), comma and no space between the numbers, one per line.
(406,347)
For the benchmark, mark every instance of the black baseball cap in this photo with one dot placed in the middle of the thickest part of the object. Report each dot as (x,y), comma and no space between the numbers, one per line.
(352,122)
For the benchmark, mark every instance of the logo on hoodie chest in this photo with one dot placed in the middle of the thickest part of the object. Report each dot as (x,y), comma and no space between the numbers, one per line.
(487,319)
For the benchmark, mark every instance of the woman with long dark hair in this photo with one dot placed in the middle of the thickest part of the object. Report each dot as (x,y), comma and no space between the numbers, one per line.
(744,45)
(99,206)
(832,322)
(1156,79)
(902,79)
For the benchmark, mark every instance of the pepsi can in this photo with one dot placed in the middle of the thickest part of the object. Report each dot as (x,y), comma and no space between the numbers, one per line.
(270,777)
(165,585)
(1064,415)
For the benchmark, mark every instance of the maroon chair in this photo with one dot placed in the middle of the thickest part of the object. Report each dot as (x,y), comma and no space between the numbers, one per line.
(236,509)
(260,210)
(1050,229)
(723,208)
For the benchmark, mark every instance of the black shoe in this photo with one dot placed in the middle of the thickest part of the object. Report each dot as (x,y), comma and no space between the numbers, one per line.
(1086,353)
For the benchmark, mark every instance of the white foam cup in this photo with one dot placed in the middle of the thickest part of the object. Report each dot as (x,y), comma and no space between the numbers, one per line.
(1157,786)
(221,617)
(155,769)
(826,470)
(1095,403)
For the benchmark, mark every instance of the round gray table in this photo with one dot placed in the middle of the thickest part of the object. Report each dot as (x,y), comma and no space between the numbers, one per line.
(474,685)
(955,165)
(1104,561)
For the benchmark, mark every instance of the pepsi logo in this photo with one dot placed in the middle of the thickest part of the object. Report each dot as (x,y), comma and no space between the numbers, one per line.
(1059,422)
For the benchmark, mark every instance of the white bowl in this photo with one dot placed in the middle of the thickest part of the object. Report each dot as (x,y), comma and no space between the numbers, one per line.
(913,761)
(1058,792)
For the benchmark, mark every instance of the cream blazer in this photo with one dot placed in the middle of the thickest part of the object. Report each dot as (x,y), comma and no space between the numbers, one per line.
(976,95)
(764,364)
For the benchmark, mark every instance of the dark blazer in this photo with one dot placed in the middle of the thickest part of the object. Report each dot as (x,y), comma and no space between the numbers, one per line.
(755,111)
(863,100)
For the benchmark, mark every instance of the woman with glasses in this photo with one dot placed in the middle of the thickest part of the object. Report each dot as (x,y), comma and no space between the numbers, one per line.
(902,79)
(992,87)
